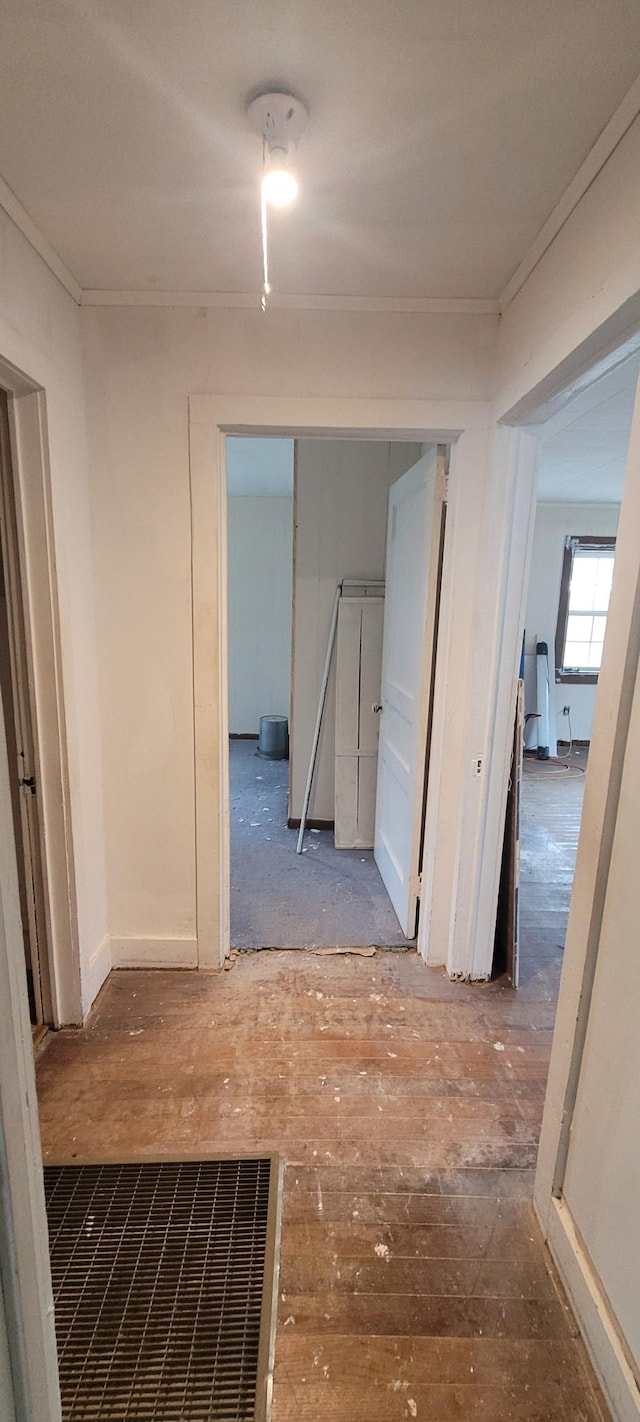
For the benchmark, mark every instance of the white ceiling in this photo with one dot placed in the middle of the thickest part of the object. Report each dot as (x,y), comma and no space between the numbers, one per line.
(259,467)
(584,446)
(442,134)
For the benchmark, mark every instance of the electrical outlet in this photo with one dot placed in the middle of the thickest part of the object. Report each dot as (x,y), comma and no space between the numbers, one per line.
(566,710)
(477,765)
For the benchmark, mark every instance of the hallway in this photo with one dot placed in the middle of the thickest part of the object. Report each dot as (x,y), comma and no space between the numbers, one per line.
(413,1278)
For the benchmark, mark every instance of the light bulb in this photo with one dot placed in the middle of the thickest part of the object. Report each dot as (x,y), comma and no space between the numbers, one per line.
(279,187)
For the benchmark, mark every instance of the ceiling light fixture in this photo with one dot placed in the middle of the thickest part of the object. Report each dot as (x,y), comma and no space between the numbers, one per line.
(280,119)
(279,184)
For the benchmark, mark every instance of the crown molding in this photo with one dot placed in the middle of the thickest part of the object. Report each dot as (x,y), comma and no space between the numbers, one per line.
(25,224)
(10,204)
(612,134)
(229,300)
(284,302)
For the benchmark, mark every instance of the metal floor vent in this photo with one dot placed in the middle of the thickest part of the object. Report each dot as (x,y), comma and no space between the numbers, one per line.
(164,1279)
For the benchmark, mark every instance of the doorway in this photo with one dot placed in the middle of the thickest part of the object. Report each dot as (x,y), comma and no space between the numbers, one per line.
(307,533)
(15,689)
(582,464)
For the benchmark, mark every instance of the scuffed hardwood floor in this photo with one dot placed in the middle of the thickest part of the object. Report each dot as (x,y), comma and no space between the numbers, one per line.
(414,1283)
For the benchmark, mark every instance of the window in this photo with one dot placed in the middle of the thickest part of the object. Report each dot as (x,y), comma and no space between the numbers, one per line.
(585,589)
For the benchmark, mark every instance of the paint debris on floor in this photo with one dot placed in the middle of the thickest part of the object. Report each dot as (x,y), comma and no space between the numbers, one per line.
(414,1281)
(324,897)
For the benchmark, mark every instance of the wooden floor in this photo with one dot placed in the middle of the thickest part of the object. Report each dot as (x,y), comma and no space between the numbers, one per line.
(552,794)
(414,1282)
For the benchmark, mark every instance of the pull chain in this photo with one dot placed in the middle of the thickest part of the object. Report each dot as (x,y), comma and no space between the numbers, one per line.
(266,289)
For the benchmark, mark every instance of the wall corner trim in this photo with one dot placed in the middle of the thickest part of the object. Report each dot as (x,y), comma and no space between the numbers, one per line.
(612,134)
(98,970)
(591,1310)
(154,952)
(29,229)
(285,301)
(229,300)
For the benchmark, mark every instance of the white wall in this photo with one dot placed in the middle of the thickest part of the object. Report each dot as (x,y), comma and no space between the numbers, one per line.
(260,559)
(141,365)
(581,299)
(590,271)
(342,489)
(39,334)
(583,296)
(553,523)
(259,467)
(602,1183)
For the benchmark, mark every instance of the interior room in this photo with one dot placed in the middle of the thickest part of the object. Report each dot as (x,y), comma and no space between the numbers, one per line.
(305,689)
(350,1182)
(583,461)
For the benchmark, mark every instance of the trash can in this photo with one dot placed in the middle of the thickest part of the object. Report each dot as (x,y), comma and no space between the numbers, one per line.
(273,740)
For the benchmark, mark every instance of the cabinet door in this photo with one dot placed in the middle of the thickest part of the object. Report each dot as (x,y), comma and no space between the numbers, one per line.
(358,674)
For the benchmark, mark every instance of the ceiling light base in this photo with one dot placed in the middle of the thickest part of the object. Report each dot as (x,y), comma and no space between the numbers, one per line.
(279,118)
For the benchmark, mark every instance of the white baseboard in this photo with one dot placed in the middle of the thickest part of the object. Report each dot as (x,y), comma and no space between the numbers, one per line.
(97,973)
(154,953)
(593,1316)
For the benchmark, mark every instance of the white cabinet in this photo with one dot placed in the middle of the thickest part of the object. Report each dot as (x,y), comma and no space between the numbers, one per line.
(358,679)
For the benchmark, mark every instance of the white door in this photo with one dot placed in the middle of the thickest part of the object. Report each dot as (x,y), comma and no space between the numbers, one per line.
(413,541)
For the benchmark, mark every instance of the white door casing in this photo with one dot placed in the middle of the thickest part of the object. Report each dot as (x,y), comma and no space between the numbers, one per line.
(406,678)
(24,1250)
(464,425)
(28,847)
(39,584)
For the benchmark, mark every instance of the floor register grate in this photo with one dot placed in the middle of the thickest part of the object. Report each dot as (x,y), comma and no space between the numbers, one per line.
(164,1281)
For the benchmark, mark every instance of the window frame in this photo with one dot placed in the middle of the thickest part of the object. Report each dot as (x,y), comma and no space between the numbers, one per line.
(574,543)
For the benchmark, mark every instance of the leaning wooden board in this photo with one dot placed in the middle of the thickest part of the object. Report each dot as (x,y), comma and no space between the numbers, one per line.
(507,939)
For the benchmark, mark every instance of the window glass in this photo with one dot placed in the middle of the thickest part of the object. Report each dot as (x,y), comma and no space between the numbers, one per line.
(588,603)
(590,587)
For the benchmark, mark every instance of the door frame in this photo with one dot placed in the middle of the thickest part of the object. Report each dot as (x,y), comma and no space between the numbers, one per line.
(464,425)
(38,579)
(20,713)
(603,350)
(25,1271)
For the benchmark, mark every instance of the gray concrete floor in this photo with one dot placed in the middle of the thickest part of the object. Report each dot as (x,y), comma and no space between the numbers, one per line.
(325,897)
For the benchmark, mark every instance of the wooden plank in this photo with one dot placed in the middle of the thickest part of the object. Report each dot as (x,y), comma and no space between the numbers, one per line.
(367,783)
(507,935)
(358,672)
(348,642)
(370,675)
(359,1361)
(346,821)
(429,1400)
(513,958)
(448,1317)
